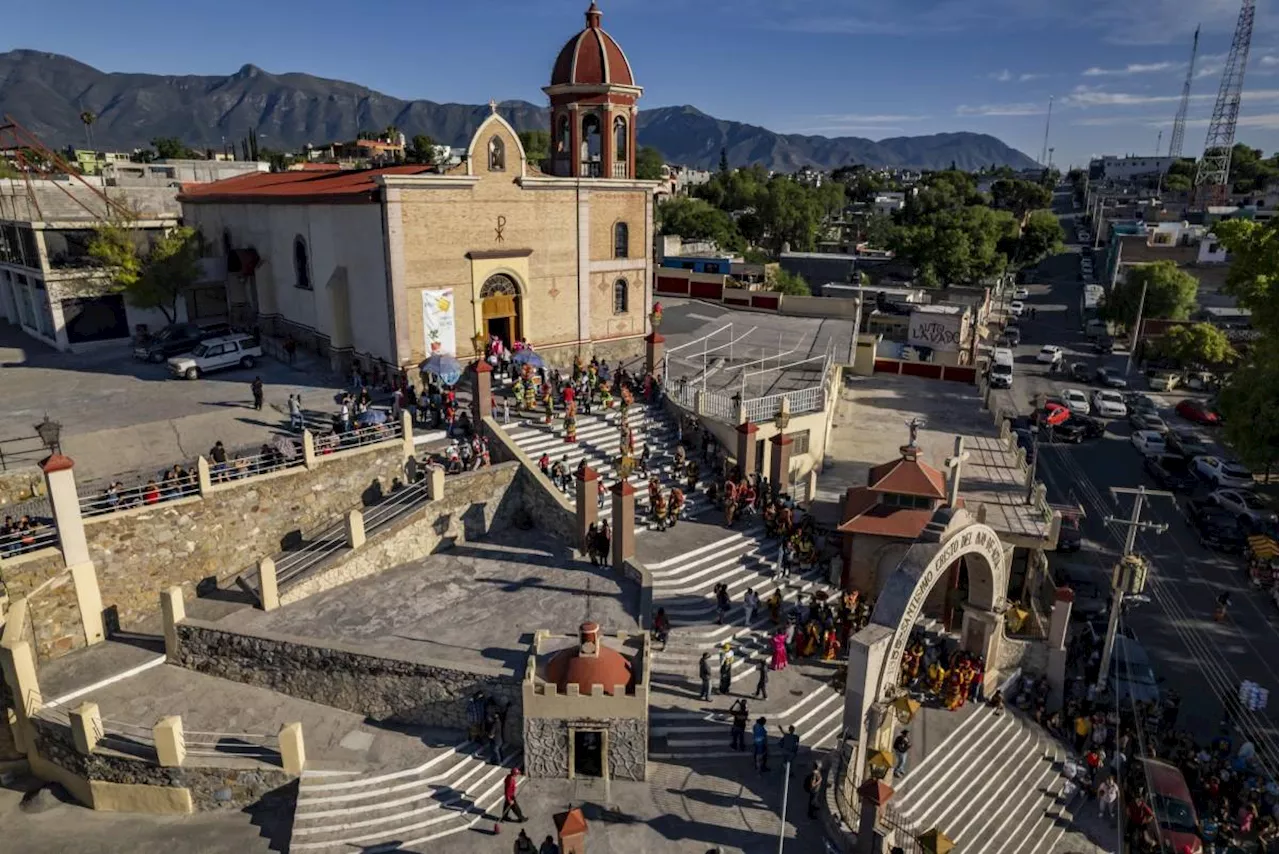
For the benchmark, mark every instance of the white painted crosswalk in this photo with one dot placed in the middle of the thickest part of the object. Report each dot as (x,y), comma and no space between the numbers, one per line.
(447,794)
(995,784)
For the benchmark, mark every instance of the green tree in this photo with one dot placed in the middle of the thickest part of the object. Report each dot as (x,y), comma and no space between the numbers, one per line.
(1253,249)
(1170,293)
(792,284)
(695,219)
(878,230)
(791,213)
(1041,236)
(1201,345)
(537,145)
(1249,406)
(649,163)
(157,281)
(171,148)
(956,245)
(422,149)
(724,159)
(1019,197)
(1250,173)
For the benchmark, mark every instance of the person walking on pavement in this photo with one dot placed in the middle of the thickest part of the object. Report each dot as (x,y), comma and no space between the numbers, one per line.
(760,742)
(704,675)
(762,680)
(549,846)
(295,412)
(790,744)
(509,803)
(813,788)
(256,388)
(523,844)
(1108,795)
(901,747)
(738,731)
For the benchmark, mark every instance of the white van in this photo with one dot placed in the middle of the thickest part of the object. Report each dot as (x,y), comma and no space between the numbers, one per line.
(214,354)
(1002,368)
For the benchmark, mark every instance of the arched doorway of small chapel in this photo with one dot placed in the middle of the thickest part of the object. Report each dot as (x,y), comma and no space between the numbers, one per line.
(500,308)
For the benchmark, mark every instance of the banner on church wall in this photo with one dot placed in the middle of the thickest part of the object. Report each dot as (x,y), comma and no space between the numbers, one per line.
(439,331)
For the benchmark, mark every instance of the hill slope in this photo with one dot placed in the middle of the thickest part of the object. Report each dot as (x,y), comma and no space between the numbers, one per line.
(46,93)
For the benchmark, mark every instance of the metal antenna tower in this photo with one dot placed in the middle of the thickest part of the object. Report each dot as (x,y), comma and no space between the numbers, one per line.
(1211,185)
(1044,149)
(1180,120)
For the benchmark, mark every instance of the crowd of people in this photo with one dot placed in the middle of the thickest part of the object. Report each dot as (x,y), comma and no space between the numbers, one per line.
(950,680)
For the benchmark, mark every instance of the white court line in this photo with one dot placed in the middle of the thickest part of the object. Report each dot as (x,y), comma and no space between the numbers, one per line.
(133,671)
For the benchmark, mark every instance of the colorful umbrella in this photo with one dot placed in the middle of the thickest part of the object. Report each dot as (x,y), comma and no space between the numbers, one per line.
(447,368)
(527,357)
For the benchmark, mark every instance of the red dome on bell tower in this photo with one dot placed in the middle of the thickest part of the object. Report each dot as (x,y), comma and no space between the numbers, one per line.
(593,106)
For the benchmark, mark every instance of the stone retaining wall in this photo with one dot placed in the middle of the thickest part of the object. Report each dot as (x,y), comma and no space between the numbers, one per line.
(43,580)
(474,504)
(211,788)
(549,509)
(21,485)
(406,691)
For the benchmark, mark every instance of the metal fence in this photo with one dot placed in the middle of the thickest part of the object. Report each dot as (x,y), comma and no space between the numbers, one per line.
(21,452)
(38,534)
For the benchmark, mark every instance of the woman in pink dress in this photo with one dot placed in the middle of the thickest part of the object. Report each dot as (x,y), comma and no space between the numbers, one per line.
(779,652)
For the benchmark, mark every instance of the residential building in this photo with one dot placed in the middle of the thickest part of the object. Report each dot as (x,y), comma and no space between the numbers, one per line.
(1129,168)
(174,172)
(387,266)
(819,268)
(886,203)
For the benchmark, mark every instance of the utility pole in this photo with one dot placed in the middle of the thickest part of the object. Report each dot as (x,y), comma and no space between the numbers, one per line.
(786,790)
(1122,580)
(1137,323)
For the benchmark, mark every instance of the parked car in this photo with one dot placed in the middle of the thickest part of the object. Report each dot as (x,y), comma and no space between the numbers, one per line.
(1109,378)
(1016,307)
(1012,335)
(215,354)
(1109,404)
(1132,679)
(1186,443)
(1197,412)
(1174,809)
(1247,507)
(1138,400)
(1147,442)
(1049,355)
(1069,431)
(1217,529)
(176,339)
(1094,428)
(1069,537)
(1146,420)
(1021,293)
(1223,473)
(1171,471)
(1075,400)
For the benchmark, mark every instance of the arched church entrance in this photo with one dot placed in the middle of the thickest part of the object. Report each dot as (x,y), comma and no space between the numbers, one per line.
(953,538)
(500,308)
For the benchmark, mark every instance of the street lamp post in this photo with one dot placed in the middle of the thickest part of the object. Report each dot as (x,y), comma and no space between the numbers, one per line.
(50,433)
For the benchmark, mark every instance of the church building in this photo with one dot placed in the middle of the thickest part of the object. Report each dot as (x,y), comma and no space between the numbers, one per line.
(386,266)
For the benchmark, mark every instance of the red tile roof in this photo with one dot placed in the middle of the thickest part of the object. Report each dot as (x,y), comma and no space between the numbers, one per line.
(592,58)
(348,185)
(907,476)
(864,514)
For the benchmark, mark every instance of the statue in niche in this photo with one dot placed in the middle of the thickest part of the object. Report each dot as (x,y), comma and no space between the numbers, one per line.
(497,155)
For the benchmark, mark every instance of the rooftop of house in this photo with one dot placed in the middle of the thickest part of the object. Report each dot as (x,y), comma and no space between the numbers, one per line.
(348,185)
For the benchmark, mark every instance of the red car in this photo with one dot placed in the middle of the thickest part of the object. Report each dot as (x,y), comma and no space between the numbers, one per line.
(1195,411)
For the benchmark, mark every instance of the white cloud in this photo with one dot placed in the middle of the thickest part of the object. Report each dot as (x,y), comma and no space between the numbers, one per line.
(1020,109)
(1002,76)
(1131,68)
(1085,97)
(1268,61)
(1024,78)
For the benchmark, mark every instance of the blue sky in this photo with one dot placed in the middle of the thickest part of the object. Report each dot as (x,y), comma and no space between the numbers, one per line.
(870,68)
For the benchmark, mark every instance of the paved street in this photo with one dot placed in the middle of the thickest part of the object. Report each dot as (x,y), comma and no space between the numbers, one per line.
(1202,660)
(120,415)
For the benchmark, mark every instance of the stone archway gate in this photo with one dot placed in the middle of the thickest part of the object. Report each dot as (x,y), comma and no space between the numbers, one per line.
(875,653)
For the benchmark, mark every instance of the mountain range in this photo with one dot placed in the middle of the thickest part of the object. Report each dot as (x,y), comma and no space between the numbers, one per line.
(47,93)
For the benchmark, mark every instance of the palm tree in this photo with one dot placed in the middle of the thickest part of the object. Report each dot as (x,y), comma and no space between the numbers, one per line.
(88,118)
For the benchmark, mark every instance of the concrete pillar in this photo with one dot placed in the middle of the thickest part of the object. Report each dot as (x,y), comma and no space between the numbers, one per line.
(355,529)
(268,588)
(406,433)
(481,390)
(980,633)
(60,485)
(171,745)
(872,797)
(653,346)
(204,480)
(308,449)
(86,727)
(293,753)
(624,523)
(747,447)
(780,463)
(868,650)
(587,486)
(19,665)
(1059,623)
(173,610)
(435,483)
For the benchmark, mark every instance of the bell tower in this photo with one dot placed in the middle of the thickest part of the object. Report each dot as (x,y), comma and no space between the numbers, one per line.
(593,106)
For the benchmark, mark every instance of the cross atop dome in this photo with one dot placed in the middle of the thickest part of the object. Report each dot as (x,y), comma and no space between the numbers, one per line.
(593,16)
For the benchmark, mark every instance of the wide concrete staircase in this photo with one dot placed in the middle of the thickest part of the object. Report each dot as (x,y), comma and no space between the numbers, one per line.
(995,785)
(600,444)
(409,808)
(683,586)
